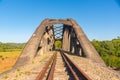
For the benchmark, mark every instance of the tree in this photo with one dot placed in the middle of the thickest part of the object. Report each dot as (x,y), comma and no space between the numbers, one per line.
(58,44)
(109,51)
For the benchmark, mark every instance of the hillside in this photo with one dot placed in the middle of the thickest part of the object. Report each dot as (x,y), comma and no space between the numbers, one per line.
(8,47)
(109,50)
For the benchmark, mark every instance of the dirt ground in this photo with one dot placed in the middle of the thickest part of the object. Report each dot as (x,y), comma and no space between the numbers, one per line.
(6,64)
(7,60)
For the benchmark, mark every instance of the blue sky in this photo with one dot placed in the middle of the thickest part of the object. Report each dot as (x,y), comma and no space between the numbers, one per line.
(100,19)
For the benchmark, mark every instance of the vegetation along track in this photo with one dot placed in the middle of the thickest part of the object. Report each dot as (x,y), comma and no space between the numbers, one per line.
(71,70)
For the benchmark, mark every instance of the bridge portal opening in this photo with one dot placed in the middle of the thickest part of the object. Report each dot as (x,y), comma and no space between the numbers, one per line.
(58,35)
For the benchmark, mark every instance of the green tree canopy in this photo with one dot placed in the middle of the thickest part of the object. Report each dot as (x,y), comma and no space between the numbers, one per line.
(109,51)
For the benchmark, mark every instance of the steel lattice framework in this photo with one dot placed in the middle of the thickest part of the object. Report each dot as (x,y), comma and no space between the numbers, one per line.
(58,32)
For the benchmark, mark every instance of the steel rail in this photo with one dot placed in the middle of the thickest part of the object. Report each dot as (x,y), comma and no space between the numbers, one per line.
(51,71)
(46,66)
(77,73)
(69,66)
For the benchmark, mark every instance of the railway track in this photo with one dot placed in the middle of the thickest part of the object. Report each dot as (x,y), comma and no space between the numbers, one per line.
(61,67)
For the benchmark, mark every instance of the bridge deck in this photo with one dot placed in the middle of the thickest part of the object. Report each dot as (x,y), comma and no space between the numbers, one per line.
(65,69)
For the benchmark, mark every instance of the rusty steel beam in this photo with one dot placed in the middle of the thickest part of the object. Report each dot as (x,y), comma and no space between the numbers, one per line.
(41,74)
(77,73)
(59,21)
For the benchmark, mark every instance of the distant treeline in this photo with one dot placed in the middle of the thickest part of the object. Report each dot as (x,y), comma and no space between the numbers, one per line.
(8,47)
(109,50)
